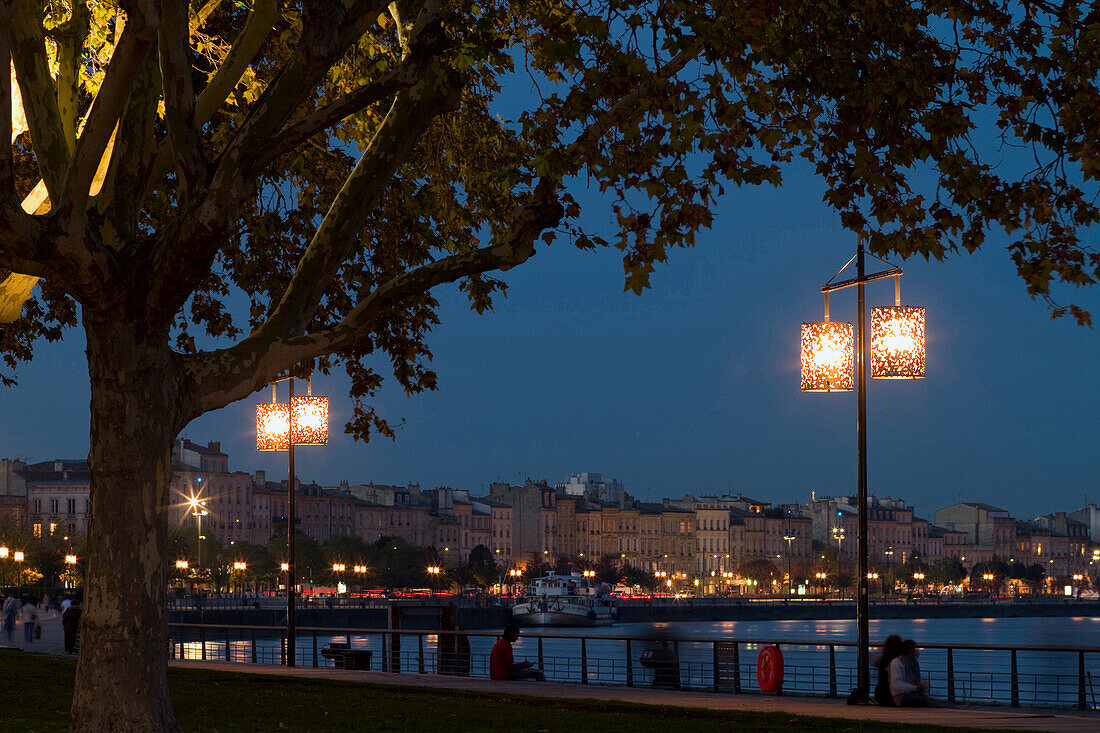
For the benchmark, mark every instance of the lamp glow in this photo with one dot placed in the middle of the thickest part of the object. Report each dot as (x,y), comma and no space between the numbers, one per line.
(828,357)
(897,342)
(272,426)
(310,420)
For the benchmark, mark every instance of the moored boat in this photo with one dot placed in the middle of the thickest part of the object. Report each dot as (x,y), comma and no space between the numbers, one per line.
(565,600)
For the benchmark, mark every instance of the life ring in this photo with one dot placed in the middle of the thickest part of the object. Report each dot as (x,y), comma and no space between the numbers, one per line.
(769,670)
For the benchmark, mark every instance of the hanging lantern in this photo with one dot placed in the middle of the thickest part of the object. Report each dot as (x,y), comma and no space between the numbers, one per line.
(273,425)
(828,357)
(310,425)
(897,342)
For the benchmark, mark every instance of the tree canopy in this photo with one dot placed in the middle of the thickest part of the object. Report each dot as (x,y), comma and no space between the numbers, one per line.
(224,192)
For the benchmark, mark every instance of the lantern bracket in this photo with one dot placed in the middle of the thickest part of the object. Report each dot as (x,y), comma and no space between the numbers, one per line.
(831,286)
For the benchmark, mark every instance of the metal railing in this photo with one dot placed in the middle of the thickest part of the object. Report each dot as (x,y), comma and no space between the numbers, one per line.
(1015,675)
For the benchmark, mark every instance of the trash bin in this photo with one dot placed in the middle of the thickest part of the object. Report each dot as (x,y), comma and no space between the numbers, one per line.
(665,666)
(344,657)
(357,659)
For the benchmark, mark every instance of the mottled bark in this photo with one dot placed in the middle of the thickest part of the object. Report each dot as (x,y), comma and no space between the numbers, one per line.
(121,677)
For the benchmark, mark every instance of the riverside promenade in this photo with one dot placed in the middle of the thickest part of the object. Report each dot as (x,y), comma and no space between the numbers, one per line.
(976,717)
(990,718)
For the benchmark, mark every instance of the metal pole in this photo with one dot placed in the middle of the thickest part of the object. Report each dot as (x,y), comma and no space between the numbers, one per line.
(290,574)
(198,517)
(862,631)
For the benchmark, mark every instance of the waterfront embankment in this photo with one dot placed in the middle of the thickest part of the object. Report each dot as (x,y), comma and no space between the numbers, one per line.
(479,616)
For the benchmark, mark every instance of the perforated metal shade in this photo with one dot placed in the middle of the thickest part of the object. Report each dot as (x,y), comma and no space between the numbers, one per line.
(828,357)
(897,342)
(272,426)
(310,420)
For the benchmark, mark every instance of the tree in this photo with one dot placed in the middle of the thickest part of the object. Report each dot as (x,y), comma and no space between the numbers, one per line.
(332,162)
(948,571)
(761,570)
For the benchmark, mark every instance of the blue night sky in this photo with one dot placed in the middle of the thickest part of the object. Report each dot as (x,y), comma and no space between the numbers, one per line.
(693,387)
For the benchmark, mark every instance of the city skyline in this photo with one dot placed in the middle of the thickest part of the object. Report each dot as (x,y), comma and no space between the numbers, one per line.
(693,386)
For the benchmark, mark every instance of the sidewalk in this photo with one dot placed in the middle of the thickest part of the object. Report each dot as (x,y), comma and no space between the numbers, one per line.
(1034,719)
(53,637)
(998,718)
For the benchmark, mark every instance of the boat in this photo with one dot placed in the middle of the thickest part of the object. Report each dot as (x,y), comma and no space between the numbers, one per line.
(565,600)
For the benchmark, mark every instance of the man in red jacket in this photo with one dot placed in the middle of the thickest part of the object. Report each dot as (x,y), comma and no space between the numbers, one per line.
(501,664)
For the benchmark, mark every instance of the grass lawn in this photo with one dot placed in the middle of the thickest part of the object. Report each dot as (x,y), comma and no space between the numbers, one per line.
(35,694)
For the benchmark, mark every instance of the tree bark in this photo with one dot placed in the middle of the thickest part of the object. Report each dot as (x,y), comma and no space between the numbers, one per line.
(121,675)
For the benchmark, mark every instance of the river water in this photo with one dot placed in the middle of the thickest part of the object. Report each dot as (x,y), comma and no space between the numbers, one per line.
(1044,677)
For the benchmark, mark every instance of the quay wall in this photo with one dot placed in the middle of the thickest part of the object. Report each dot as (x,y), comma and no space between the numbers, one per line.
(493,617)
(702,610)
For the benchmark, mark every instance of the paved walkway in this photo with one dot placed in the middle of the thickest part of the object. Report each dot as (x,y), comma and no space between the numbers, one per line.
(53,637)
(1034,719)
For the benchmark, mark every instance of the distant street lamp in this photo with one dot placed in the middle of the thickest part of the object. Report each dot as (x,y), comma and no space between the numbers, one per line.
(789,538)
(198,511)
(281,426)
(827,360)
(821,578)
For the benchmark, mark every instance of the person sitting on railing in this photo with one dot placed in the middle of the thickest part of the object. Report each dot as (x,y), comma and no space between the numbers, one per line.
(502,665)
(906,685)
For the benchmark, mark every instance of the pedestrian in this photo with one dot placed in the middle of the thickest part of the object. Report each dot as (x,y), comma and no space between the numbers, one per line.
(11,608)
(70,622)
(29,616)
(891,648)
(65,603)
(906,685)
(501,663)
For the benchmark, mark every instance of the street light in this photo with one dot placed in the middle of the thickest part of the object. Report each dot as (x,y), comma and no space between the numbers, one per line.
(789,538)
(198,511)
(897,352)
(281,426)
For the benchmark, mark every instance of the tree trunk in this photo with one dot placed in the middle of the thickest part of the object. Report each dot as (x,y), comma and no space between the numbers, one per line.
(121,676)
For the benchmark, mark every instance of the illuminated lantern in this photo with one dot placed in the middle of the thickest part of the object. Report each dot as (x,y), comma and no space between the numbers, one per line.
(897,342)
(272,426)
(310,424)
(828,357)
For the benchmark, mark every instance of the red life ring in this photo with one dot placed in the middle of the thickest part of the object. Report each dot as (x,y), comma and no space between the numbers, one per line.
(769,670)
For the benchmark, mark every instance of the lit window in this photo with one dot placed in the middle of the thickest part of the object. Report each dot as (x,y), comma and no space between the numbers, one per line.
(53,527)
(37,529)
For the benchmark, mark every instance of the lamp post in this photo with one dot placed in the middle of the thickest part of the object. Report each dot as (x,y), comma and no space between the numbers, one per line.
(821,578)
(889,553)
(789,538)
(827,361)
(281,426)
(198,511)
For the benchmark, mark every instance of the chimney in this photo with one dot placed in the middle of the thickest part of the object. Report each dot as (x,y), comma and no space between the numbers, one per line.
(261,478)
(215,446)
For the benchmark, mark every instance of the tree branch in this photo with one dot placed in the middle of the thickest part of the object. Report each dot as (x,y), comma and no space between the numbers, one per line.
(70,43)
(399,78)
(133,153)
(215,379)
(183,256)
(107,108)
(32,70)
(7,158)
(179,100)
(260,21)
(338,234)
